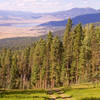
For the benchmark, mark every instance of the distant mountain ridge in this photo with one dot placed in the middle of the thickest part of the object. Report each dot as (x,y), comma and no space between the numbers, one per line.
(18,15)
(19,23)
(75,12)
(84,19)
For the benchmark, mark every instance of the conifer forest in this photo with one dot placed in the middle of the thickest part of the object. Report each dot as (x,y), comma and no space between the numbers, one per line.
(54,61)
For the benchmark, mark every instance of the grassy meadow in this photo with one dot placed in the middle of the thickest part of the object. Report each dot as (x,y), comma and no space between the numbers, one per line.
(84,92)
(79,92)
(75,92)
(23,95)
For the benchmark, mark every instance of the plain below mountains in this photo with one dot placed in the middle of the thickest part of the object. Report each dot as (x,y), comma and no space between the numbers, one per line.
(25,24)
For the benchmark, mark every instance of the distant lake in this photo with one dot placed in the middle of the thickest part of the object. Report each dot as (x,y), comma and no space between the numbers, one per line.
(25,24)
(20,24)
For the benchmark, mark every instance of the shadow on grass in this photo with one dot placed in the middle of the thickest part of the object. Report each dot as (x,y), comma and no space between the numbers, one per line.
(8,92)
(58,91)
(25,97)
(91,98)
(45,98)
(22,94)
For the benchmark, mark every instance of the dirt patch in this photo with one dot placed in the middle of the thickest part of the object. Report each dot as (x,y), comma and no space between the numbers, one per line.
(59,95)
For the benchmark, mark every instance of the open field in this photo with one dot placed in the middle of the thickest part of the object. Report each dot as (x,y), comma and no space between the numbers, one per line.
(76,92)
(35,31)
(25,28)
(84,94)
(11,32)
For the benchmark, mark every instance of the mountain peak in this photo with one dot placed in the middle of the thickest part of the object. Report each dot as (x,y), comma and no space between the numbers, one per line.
(81,9)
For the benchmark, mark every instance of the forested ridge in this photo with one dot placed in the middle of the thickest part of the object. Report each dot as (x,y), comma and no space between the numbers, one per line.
(53,62)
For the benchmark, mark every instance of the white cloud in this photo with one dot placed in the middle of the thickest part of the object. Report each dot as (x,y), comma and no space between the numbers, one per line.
(85,1)
(35,5)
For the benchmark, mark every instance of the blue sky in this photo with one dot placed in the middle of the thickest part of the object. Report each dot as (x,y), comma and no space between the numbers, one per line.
(47,5)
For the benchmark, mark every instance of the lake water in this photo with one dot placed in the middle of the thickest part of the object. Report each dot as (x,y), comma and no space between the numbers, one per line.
(20,24)
(25,24)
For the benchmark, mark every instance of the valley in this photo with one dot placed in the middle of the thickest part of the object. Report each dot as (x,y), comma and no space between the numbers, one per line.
(49,50)
(28,24)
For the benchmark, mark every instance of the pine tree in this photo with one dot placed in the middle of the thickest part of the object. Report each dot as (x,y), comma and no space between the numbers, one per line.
(85,54)
(67,53)
(38,68)
(8,61)
(26,68)
(48,59)
(78,38)
(55,62)
(3,69)
(95,53)
(31,62)
(14,75)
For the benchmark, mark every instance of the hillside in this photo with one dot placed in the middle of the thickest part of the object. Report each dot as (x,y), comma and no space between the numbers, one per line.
(21,42)
(74,12)
(84,19)
(18,42)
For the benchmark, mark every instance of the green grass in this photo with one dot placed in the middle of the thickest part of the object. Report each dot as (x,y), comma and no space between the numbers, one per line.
(77,92)
(85,93)
(24,95)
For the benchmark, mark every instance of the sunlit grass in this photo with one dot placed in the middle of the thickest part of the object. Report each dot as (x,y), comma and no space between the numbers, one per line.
(76,92)
(84,92)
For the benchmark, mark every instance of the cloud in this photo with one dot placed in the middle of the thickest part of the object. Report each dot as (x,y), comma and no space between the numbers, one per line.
(42,5)
(34,5)
(85,1)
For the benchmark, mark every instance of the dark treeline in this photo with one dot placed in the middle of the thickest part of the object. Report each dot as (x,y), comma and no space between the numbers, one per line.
(53,62)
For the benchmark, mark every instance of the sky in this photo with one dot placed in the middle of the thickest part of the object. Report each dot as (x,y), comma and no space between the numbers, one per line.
(43,6)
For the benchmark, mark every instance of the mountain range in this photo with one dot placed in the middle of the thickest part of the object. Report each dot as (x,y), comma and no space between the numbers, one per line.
(75,12)
(28,24)
(84,19)
(19,15)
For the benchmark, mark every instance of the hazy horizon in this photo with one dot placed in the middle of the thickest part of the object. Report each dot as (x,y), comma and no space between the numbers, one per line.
(47,12)
(46,6)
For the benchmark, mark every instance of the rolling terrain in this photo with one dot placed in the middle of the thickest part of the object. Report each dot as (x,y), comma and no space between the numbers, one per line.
(28,24)
(20,42)
(84,19)
(19,15)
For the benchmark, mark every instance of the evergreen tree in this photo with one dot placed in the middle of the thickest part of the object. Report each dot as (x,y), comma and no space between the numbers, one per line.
(67,53)
(14,75)
(55,62)
(7,64)
(77,43)
(37,69)
(48,59)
